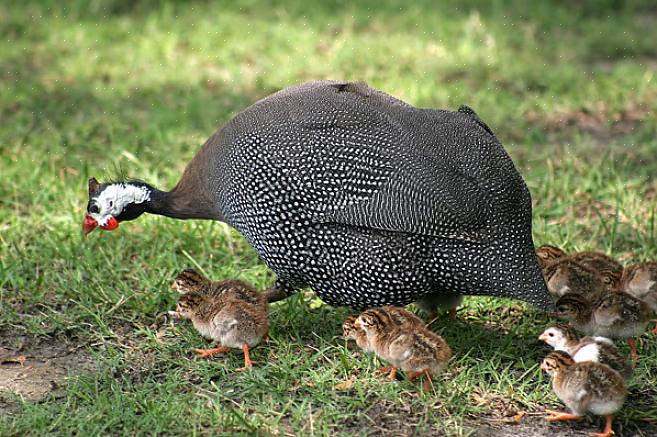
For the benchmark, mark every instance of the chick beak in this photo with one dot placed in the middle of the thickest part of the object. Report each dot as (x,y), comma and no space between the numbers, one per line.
(542,337)
(88,225)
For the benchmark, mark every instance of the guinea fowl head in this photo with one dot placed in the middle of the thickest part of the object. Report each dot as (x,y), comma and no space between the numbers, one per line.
(111,203)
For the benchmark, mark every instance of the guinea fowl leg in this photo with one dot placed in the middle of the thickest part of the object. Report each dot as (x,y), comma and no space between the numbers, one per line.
(559,416)
(247,359)
(205,353)
(278,292)
(633,352)
(608,432)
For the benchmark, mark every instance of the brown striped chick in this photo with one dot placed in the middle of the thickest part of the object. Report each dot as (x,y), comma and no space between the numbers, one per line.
(585,387)
(433,302)
(399,316)
(611,314)
(640,280)
(600,262)
(229,312)
(598,349)
(547,253)
(412,348)
(563,275)
(190,280)
(350,332)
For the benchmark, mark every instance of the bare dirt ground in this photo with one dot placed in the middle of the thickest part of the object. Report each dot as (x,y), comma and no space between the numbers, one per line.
(536,426)
(32,369)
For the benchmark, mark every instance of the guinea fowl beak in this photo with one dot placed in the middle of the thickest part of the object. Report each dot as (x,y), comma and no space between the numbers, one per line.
(88,225)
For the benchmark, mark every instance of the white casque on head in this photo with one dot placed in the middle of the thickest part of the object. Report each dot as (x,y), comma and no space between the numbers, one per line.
(114,198)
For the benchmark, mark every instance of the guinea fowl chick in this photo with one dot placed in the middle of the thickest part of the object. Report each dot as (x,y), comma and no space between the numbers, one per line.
(229,312)
(350,332)
(547,253)
(189,280)
(640,280)
(399,316)
(599,262)
(599,349)
(412,348)
(585,387)
(564,275)
(610,314)
(432,302)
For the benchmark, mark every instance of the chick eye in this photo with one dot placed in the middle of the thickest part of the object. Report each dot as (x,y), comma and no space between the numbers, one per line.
(551,334)
(111,203)
(94,209)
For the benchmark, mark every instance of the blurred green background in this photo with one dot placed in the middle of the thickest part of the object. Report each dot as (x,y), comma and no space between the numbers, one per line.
(109,88)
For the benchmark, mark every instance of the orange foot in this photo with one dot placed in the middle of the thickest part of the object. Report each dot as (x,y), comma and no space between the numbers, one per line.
(247,359)
(559,416)
(426,386)
(206,353)
(608,432)
(393,372)
(633,353)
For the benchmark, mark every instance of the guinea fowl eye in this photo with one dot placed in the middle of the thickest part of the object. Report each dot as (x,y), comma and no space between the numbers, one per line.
(111,203)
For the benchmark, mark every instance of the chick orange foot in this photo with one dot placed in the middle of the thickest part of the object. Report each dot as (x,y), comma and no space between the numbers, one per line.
(392,375)
(559,416)
(426,386)
(608,432)
(247,359)
(206,353)
(633,353)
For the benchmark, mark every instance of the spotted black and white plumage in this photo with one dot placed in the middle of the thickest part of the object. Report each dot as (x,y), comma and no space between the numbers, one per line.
(368,200)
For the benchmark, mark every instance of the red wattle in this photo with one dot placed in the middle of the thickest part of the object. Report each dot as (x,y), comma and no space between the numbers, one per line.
(88,225)
(111,224)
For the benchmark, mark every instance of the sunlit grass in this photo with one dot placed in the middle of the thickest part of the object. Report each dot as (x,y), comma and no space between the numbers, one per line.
(108,88)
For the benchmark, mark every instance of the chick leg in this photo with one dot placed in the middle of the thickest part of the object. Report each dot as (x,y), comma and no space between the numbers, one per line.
(393,372)
(452,314)
(559,416)
(426,386)
(247,358)
(633,352)
(608,432)
(205,353)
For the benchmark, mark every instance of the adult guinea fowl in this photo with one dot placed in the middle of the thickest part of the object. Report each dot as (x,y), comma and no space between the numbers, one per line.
(360,196)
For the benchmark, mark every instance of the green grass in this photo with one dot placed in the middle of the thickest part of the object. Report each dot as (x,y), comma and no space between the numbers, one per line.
(106,88)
